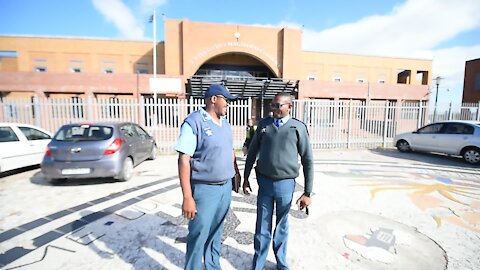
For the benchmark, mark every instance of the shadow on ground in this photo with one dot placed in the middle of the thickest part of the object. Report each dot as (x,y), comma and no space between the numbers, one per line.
(430,158)
(20,170)
(38,179)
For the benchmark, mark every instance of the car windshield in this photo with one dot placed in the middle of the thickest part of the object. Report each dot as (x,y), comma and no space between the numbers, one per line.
(84,133)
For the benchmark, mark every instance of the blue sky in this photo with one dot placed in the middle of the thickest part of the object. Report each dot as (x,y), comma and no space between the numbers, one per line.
(446,31)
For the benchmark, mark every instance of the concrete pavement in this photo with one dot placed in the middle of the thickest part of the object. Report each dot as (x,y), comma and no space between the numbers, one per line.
(372,209)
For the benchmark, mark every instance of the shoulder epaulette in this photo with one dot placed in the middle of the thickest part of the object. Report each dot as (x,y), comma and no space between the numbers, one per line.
(299,121)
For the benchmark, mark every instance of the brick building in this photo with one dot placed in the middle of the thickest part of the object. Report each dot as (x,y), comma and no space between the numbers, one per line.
(254,62)
(471,84)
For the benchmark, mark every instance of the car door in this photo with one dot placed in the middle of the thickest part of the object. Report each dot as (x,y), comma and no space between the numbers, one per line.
(146,142)
(425,139)
(14,149)
(133,141)
(37,143)
(453,137)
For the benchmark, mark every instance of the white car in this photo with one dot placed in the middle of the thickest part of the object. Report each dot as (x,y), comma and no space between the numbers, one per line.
(21,145)
(459,138)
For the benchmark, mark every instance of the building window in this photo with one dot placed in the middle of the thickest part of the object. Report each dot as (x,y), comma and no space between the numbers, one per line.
(77,107)
(8,54)
(76,70)
(114,107)
(142,68)
(337,76)
(360,80)
(404,76)
(381,81)
(76,62)
(40,69)
(108,70)
(311,78)
(422,76)
(40,60)
(477,82)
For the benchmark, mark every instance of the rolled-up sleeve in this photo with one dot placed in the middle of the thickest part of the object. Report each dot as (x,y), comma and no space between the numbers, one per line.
(187,141)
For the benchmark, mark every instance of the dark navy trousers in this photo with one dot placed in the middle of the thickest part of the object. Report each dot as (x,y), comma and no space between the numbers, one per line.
(278,193)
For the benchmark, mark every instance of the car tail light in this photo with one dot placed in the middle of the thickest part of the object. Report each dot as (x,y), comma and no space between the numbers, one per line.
(48,152)
(114,147)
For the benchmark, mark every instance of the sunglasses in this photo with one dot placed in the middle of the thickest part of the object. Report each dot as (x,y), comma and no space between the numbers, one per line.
(224,98)
(278,105)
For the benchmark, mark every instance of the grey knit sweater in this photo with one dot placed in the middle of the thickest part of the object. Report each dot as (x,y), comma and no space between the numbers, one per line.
(278,150)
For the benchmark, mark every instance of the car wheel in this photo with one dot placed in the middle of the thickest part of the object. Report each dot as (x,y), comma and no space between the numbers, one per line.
(403,146)
(127,170)
(472,155)
(153,154)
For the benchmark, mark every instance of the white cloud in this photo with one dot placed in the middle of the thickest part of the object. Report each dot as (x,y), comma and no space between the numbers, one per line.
(450,63)
(415,29)
(116,12)
(409,30)
(148,5)
(281,24)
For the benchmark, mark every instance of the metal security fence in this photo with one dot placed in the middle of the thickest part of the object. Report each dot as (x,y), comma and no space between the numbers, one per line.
(162,119)
(467,111)
(331,124)
(360,124)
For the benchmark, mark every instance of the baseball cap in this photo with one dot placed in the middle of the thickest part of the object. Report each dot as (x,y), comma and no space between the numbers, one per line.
(218,89)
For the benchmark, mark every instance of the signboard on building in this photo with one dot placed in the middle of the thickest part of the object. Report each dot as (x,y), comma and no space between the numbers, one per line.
(166,85)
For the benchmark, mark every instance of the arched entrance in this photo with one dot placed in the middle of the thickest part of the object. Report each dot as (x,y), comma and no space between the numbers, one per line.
(245,76)
(234,66)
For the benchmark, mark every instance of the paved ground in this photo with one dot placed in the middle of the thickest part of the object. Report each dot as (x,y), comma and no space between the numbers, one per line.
(372,209)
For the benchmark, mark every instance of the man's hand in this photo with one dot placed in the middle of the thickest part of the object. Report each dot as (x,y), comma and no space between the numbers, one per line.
(189,208)
(303,202)
(246,186)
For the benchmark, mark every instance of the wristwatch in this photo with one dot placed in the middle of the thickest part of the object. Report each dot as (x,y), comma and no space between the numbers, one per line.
(306,194)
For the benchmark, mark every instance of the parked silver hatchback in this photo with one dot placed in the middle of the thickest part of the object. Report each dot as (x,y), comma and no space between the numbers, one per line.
(97,150)
(459,138)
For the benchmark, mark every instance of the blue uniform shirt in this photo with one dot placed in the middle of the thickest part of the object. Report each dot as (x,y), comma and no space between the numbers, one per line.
(285,119)
(187,141)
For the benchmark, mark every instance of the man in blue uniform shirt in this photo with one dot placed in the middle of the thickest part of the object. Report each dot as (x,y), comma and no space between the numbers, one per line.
(278,142)
(206,167)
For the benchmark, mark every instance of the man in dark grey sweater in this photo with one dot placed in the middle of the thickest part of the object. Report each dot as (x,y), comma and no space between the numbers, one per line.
(278,142)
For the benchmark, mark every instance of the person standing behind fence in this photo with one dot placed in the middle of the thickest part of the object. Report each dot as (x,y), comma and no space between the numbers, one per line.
(250,131)
(278,142)
(206,167)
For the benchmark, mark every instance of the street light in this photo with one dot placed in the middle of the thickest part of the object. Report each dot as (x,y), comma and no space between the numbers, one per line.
(437,82)
(153,19)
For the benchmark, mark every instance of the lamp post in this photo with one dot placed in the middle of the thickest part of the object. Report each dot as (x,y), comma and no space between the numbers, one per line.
(153,19)
(437,82)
